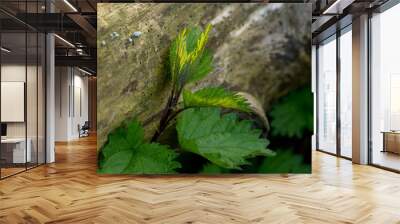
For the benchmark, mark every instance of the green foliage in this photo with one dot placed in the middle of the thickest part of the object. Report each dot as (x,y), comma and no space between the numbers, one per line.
(211,168)
(293,115)
(256,108)
(285,161)
(200,68)
(188,59)
(124,138)
(223,140)
(146,159)
(126,152)
(215,97)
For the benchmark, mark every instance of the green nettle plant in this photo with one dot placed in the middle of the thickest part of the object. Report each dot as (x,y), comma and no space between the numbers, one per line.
(292,117)
(206,122)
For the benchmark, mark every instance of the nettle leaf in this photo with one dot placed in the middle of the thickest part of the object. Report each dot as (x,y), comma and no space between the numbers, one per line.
(256,108)
(201,67)
(116,142)
(146,159)
(211,168)
(192,36)
(285,161)
(293,115)
(126,152)
(134,134)
(124,138)
(189,60)
(223,140)
(215,97)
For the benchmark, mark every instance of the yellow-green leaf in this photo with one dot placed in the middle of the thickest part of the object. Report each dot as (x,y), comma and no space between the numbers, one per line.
(215,97)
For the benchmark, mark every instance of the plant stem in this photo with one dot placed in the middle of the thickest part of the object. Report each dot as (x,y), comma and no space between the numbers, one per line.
(168,110)
(164,117)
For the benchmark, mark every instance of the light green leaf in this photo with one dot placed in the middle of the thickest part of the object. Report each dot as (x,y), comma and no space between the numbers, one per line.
(215,97)
(293,115)
(146,159)
(223,140)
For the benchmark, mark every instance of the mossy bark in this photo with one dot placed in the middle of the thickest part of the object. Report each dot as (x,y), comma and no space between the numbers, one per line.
(259,48)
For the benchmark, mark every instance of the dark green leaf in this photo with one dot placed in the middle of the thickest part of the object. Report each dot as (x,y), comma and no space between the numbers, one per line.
(116,142)
(293,115)
(117,163)
(126,137)
(134,134)
(211,168)
(285,161)
(173,61)
(126,152)
(201,67)
(225,141)
(146,159)
(192,37)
